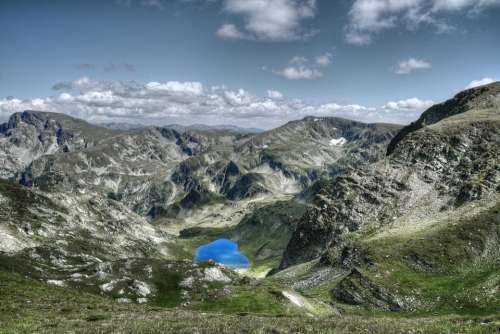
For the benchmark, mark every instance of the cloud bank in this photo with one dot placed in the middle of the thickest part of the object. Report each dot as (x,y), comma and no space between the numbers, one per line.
(192,102)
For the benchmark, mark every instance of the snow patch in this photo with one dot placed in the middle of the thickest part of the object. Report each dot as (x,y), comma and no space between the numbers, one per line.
(338,142)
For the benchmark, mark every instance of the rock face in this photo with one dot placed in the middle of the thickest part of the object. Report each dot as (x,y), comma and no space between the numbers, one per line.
(447,158)
(30,135)
(480,98)
(74,195)
(284,160)
(57,232)
(357,289)
(150,169)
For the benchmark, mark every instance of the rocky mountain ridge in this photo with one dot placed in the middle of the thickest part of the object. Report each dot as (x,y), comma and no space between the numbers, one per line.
(442,173)
(95,195)
(151,168)
(438,166)
(348,214)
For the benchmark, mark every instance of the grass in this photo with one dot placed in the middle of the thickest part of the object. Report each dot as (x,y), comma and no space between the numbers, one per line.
(452,267)
(245,300)
(28,306)
(169,292)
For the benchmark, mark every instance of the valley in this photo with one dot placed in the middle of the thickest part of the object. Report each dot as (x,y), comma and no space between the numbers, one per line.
(394,228)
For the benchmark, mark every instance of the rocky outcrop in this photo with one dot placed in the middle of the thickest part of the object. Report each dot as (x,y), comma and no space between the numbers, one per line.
(357,289)
(441,165)
(75,226)
(32,134)
(484,97)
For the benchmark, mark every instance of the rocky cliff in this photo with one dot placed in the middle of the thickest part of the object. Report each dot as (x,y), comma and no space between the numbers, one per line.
(440,178)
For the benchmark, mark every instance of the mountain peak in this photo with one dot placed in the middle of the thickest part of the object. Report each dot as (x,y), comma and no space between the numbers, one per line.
(482,97)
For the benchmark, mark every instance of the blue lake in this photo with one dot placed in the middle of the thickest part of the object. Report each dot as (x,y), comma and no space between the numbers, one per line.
(222,251)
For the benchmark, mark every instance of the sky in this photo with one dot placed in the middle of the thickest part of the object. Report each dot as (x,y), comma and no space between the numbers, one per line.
(251,63)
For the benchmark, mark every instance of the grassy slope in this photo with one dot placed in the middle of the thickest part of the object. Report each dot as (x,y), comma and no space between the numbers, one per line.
(28,306)
(450,268)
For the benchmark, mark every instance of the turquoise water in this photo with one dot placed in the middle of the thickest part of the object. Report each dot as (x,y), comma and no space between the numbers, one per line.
(222,251)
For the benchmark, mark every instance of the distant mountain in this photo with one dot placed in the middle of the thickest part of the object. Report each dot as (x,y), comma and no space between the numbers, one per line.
(183,128)
(203,127)
(30,135)
(121,126)
(145,167)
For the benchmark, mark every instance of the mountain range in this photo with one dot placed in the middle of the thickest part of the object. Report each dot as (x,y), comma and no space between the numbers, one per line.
(338,218)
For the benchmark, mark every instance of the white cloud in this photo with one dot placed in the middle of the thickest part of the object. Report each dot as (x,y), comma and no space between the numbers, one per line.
(481,82)
(324,60)
(65,97)
(230,31)
(275,95)
(302,68)
(194,88)
(298,60)
(371,17)
(412,104)
(410,65)
(299,73)
(192,102)
(454,5)
(277,20)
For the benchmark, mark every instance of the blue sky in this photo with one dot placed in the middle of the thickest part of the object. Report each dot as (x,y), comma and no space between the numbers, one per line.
(245,62)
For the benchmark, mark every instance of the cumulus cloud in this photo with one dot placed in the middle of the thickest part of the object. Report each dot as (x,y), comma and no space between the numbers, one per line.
(192,102)
(481,82)
(229,31)
(190,88)
(370,17)
(324,60)
(299,73)
(275,95)
(412,104)
(277,20)
(302,68)
(411,65)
